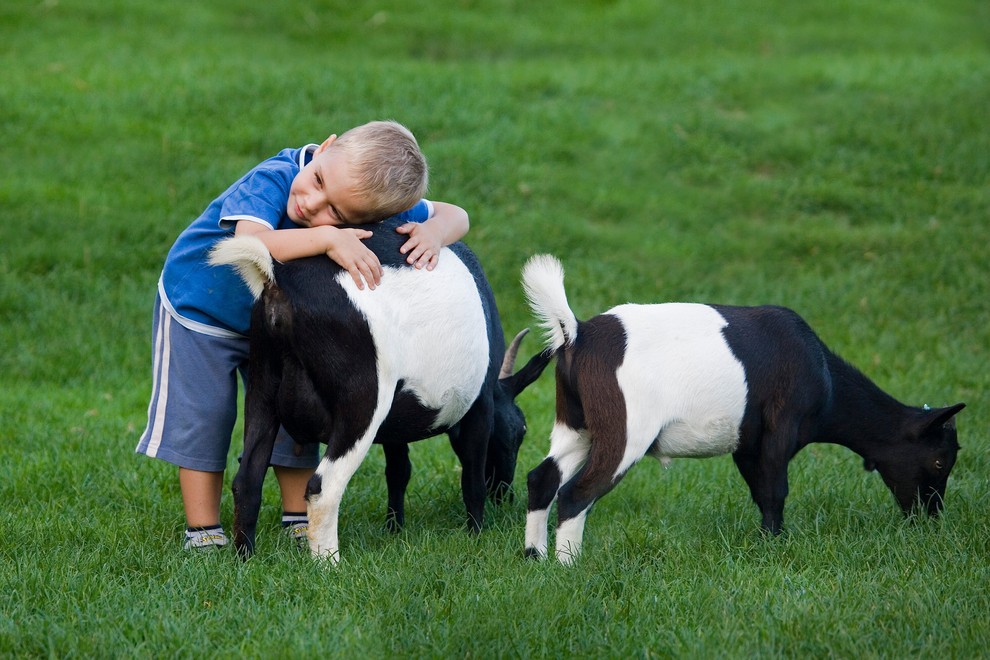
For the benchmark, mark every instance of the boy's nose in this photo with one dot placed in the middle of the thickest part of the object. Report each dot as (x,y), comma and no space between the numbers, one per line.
(306,205)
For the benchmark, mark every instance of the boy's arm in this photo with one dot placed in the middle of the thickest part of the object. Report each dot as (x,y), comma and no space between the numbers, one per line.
(344,246)
(448,224)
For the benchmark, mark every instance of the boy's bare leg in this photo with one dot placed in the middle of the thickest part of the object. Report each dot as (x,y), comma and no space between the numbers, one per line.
(201,496)
(292,482)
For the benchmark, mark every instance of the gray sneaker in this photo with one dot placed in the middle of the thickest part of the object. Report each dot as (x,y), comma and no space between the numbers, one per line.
(205,539)
(297,531)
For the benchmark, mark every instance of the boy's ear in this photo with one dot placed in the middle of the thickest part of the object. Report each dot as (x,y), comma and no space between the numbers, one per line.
(326,143)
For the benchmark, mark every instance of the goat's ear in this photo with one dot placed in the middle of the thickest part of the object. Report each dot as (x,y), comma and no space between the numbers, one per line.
(525,377)
(943,417)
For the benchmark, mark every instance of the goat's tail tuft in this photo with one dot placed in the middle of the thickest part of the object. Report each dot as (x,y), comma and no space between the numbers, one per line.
(249,256)
(543,281)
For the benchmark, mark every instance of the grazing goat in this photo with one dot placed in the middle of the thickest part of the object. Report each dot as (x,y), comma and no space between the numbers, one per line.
(689,380)
(417,356)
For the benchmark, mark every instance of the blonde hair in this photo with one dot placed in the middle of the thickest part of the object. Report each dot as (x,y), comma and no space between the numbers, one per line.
(387,167)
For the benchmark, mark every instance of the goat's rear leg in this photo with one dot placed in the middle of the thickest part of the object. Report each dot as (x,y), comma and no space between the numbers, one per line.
(260,431)
(598,476)
(568,450)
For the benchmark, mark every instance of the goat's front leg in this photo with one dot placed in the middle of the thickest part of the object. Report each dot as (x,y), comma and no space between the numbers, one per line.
(470,443)
(326,488)
(568,449)
(766,475)
(398,469)
(324,494)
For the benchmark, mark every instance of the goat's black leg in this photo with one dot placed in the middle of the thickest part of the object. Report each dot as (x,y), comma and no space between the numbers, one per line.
(766,475)
(471,446)
(397,472)
(261,425)
(260,430)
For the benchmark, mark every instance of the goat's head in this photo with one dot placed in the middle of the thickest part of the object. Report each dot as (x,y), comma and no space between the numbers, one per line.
(916,466)
(510,423)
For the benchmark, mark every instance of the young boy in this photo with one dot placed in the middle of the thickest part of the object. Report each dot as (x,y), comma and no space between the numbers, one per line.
(294,202)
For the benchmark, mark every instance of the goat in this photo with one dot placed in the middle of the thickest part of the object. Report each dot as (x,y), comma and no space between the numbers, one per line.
(415,357)
(691,380)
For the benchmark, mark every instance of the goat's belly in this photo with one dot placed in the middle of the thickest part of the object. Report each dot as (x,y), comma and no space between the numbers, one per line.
(410,420)
(681,439)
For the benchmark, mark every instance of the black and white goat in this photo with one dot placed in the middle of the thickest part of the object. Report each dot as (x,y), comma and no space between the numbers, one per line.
(419,355)
(690,380)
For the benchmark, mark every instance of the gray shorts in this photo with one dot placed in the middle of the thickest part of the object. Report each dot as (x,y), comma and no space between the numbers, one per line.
(194,400)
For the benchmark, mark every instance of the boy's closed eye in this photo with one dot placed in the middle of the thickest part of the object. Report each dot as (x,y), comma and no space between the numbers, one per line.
(334,211)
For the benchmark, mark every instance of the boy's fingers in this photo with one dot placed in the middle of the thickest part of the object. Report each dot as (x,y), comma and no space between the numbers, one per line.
(366,271)
(362,275)
(359,233)
(374,274)
(408,245)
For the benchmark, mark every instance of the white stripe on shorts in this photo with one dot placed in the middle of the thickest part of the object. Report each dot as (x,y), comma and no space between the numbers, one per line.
(163,349)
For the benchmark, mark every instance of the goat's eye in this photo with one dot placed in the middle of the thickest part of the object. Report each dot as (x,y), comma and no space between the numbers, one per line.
(938,464)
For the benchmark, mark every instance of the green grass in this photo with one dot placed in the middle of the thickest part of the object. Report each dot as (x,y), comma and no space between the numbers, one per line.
(828,156)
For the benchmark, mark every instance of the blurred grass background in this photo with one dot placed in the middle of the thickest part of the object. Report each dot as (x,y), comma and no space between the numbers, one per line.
(828,156)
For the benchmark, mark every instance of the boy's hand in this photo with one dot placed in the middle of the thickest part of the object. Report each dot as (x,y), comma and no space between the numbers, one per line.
(353,256)
(424,244)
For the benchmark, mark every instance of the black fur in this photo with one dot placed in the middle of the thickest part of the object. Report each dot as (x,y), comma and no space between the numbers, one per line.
(801,392)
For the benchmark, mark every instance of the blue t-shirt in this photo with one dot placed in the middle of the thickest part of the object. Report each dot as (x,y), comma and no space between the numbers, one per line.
(213,299)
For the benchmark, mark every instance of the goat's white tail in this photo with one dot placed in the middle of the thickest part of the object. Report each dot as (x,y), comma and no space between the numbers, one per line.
(543,281)
(249,256)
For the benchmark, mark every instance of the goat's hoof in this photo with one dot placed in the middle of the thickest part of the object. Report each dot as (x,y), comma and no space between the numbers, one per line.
(393,525)
(532,554)
(771,532)
(501,494)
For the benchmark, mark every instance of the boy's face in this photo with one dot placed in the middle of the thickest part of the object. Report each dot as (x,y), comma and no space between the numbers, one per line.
(321,194)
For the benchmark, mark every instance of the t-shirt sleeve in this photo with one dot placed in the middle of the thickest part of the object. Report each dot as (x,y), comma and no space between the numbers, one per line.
(261,197)
(421,212)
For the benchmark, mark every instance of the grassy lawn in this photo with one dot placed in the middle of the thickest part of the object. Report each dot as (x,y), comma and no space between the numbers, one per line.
(832,157)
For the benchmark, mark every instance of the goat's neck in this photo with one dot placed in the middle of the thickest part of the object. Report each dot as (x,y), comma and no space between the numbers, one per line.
(861,416)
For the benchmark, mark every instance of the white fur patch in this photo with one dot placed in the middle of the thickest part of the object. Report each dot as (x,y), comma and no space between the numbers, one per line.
(430,331)
(536,531)
(570,535)
(569,449)
(683,386)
